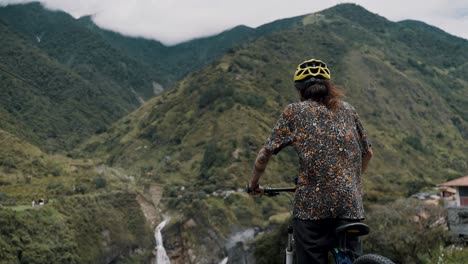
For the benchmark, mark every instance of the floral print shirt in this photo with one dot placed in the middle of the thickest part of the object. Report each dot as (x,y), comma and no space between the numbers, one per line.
(330,145)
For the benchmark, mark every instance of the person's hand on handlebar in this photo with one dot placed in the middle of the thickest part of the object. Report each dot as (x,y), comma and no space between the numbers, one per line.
(254,189)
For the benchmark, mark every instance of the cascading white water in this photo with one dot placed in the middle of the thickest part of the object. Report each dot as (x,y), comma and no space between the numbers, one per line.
(161,255)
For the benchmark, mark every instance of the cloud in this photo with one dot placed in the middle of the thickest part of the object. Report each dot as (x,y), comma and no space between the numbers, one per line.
(173,22)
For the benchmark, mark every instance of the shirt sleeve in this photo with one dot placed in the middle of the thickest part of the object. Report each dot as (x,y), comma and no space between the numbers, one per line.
(363,138)
(281,134)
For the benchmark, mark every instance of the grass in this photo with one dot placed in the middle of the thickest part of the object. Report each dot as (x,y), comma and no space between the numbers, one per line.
(20,208)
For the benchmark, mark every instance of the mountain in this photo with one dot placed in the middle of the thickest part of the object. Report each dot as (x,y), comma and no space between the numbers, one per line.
(60,83)
(207,129)
(194,144)
(65,40)
(200,137)
(90,215)
(172,63)
(49,104)
(77,78)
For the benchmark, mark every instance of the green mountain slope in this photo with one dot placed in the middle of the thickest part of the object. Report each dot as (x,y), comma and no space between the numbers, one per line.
(64,79)
(49,104)
(199,138)
(74,46)
(171,63)
(208,128)
(203,134)
(103,228)
(28,173)
(92,213)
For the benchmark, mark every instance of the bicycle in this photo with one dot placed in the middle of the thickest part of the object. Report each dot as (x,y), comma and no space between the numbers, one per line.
(340,254)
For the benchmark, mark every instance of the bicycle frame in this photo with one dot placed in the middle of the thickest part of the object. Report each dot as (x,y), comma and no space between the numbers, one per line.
(290,246)
(341,254)
(290,251)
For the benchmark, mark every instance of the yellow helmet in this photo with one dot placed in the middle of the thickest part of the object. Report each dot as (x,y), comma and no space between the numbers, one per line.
(312,68)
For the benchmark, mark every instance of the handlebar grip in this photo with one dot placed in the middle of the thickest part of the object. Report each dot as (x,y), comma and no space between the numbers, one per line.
(248,190)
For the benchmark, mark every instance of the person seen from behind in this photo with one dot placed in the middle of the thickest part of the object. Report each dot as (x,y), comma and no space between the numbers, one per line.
(333,151)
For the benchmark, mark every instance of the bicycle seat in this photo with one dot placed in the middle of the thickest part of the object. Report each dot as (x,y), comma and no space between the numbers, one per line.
(354,229)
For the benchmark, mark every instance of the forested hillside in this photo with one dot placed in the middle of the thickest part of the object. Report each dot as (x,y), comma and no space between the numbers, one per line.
(61,84)
(203,134)
(207,129)
(50,104)
(90,76)
(172,63)
(74,46)
(118,133)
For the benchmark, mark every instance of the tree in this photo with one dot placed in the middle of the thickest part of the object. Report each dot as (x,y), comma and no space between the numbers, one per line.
(406,231)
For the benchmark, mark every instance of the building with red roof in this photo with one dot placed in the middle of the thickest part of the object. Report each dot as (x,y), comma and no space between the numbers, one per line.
(457,212)
(461,187)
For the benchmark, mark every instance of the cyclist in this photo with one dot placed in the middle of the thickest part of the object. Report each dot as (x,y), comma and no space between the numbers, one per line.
(333,151)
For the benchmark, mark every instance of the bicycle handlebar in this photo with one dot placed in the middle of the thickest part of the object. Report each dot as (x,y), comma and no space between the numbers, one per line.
(276,191)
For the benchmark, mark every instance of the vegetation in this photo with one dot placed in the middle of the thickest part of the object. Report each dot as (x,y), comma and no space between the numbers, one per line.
(269,248)
(172,63)
(407,231)
(178,132)
(27,173)
(51,104)
(79,229)
(198,139)
(232,104)
(74,78)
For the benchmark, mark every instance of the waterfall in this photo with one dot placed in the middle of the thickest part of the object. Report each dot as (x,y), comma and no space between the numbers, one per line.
(236,247)
(161,255)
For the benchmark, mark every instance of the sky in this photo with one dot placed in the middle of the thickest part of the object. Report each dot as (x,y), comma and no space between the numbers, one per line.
(172,22)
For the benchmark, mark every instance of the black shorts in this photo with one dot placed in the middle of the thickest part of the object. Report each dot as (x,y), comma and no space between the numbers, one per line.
(314,238)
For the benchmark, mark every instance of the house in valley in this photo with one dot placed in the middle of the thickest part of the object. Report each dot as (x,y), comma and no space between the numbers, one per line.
(457,204)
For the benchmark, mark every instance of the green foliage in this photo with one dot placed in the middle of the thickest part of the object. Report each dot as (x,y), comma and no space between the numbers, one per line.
(214,93)
(415,143)
(36,236)
(269,248)
(205,131)
(69,84)
(216,217)
(240,95)
(256,101)
(212,158)
(173,63)
(452,254)
(406,231)
(80,229)
(3,196)
(100,182)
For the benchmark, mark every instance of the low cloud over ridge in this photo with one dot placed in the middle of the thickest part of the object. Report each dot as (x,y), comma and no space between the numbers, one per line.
(172,22)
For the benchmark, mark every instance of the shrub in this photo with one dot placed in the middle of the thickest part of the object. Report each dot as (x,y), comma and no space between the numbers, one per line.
(415,143)
(213,93)
(100,182)
(269,248)
(212,158)
(405,230)
(251,100)
(57,188)
(3,196)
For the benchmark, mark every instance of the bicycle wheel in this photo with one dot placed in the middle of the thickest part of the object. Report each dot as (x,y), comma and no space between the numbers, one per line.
(372,259)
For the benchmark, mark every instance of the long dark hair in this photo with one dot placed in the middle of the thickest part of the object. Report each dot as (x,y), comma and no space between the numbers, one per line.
(320,90)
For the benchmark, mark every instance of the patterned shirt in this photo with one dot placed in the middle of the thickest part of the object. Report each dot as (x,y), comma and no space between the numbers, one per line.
(330,146)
